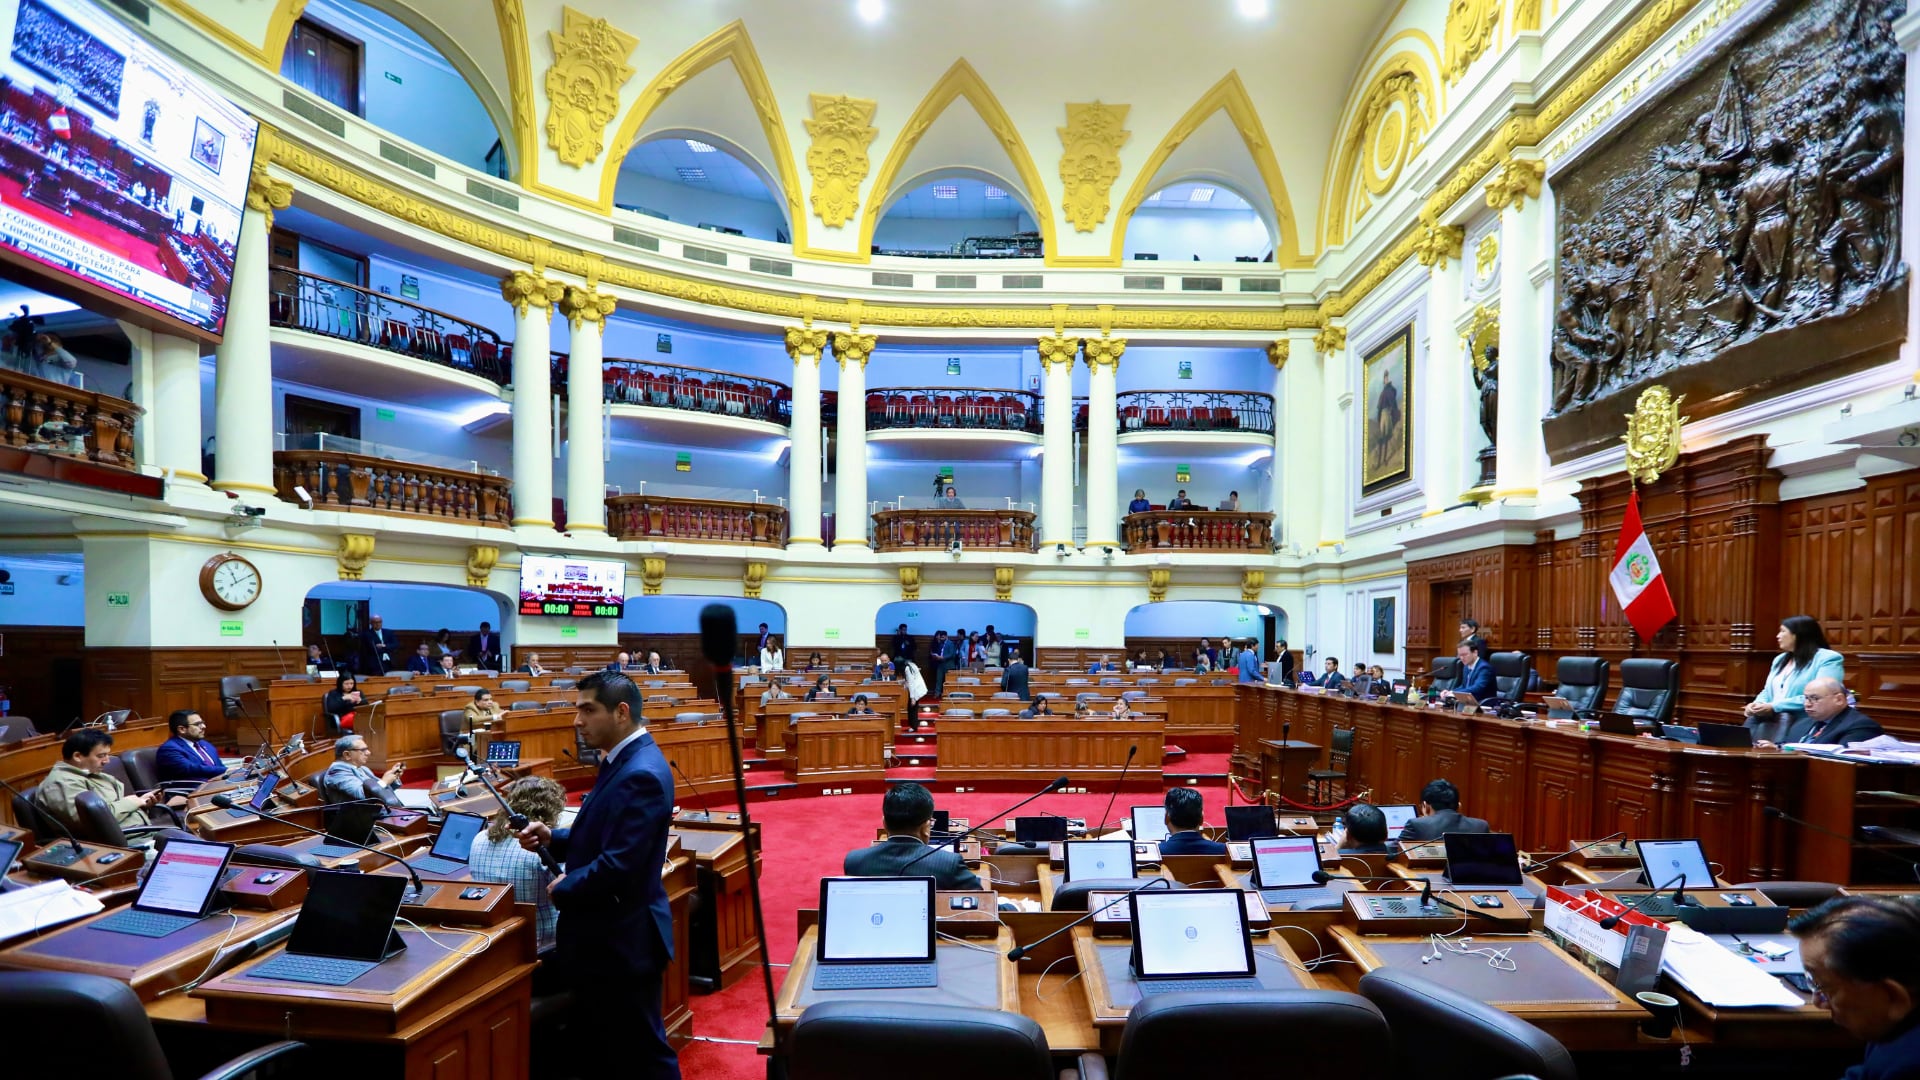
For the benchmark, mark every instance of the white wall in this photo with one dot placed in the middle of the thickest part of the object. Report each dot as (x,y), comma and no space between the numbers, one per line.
(757,218)
(1211,619)
(428,431)
(1213,476)
(653,462)
(980,484)
(39,598)
(1214,235)
(404,606)
(1158,368)
(681,614)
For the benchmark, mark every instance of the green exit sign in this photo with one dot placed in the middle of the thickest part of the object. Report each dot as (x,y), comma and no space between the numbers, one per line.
(833,633)
(1081,633)
(570,631)
(232,628)
(392,78)
(119,599)
(383,414)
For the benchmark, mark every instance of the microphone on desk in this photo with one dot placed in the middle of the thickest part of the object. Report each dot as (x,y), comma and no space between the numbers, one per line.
(1117,784)
(1018,951)
(225,802)
(1679,880)
(515,819)
(958,838)
(1536,867)
(1776,812)
(1428,899)
(705,813)
(78,851)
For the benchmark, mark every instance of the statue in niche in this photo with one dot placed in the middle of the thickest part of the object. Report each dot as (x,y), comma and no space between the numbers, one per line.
(1760,195)
(1486,377)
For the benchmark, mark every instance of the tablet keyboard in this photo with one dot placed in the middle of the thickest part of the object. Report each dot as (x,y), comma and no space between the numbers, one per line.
(1152,987)
(144,923)
(875,976)
(1299,898)
(324,970)
(435,865)
(331,851)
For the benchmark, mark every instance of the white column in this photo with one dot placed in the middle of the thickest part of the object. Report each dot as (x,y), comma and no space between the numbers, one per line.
(1103,441)
(1057,355)
(1297,498)
(173,415)
(1278,353)
(805,345)
(1336,444)
(586,311)
(1442,451)
(532,297)
(243,362)
(850,518)
(1521,441)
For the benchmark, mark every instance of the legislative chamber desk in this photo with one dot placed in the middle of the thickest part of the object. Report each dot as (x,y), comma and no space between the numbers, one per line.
(1040,748)
(724,943)
(1106,967)
(27,762)
(972,973)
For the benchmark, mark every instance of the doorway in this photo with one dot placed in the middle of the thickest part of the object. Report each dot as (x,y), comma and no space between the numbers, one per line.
(1452,605)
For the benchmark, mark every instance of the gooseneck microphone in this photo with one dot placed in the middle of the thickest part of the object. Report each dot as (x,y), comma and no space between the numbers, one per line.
(1870,830)
(958,838)
(515,819)
(719,636)
(226,803)
(1679,879)
(1019,951)
(76,854)
(1536,867)
(705,813)
(1106,815)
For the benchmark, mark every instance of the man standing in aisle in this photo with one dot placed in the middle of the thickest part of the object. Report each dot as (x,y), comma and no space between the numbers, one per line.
(615,934)
(1247,663)
(379,648)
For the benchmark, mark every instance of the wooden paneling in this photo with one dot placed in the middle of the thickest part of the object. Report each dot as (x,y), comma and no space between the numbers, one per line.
(155,681)
(1034,749)
(40,671)
(846,748)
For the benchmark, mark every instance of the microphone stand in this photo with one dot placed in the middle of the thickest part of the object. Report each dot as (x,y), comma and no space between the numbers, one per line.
(1428,900)
(226,803)
(1534,868)
(515,819)
(705,813)
(1107,814)
(78,852)
(1019,951)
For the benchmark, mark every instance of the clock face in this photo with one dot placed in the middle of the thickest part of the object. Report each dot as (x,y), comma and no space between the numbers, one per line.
(236,583)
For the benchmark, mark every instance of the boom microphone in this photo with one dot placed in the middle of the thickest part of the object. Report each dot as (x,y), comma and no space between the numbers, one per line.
(225,802)
(1679,879)
(1117,785)
(1058,783)
(705,813)
(1536,867)
(719,635)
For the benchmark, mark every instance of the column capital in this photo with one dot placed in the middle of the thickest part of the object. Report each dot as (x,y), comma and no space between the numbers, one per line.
(524,289)
(1278,352)
(265,194)
(1330,339)
(1438,243)
(806,341)
(1058,350)
(852,346)
(1105,352)
(1514,182)
(582,305)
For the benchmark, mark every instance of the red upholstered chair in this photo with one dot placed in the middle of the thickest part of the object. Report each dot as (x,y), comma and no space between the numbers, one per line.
(922,410)
(460,349)
(1180,417)
(1130,418)
(897,411)
(1223,417)
(1156,415)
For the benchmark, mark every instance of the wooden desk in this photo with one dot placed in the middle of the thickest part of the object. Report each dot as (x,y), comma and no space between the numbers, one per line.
(679,876)
(27,762)
(1009,748)
(724,945)
(968,976)
(149,965)
(840,749)
(1112,991)
(1283,767)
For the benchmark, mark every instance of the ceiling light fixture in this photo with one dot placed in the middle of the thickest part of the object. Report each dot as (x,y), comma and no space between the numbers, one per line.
(1201,194)
(1155,197)
(692,176)
(871,10)
(698,147)
(946,191)
(1252,9)
(995,193)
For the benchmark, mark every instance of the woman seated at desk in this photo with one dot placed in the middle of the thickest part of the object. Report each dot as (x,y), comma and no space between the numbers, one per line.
(1804,657)
(860,707)
(1121,710)
(821,689)
(342,702)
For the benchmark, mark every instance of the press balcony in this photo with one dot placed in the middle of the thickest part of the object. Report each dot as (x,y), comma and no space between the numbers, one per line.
(662,515)
(65,433)
(1198,531)
(352,476)
(687,388)
(936,529)
(343,311)
(958,408)
(1214,412)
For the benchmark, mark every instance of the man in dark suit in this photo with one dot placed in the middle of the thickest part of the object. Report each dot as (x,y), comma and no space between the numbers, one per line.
(1859,951)
(902,647)
(1014,679)
(379,648)
(1476,675)
(1185,812)
(1439,815)
(615,934)
(1366,831)
(943,654)
(908,813)
(1829,718)
(1332,680)
(484,648)
(187,755)
(421,663)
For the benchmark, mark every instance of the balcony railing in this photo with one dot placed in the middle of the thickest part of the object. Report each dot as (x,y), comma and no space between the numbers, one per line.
(962,407)
(1242,531)
(688,388)
(338,478)
(66,421)
(336,309)
(1238,411)
(923,530)
(704,521)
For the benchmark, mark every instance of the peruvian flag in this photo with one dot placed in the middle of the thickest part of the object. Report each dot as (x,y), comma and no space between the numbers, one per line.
(60,123)
(1636,576)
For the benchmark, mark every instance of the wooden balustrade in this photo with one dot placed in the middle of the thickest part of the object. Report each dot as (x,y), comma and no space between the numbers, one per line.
(1199,530)
(704,521)
(361,484)
(921,530)
(103,422)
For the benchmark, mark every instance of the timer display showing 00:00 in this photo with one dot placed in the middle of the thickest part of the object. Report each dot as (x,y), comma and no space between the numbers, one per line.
(609,611)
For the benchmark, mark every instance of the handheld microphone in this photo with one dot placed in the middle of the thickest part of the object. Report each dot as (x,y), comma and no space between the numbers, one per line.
(1912,864)
(1019,951)
(1536,867)
(1679,879)
(78,851)
(1058,783)
(1105,815)
(705,813)
(226,803)
(515,819)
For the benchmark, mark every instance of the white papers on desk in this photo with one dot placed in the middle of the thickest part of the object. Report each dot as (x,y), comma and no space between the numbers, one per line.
(32,909)
(416,798)
(1716,976)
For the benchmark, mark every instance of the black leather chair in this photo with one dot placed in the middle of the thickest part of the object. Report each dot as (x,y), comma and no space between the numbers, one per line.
(1339,752)
(1795,894)
(837,1039)
(1583,681)
(1648,688)
(1512,672)
(1446,673)
(234,701)
(1236,1034)
(119,1038)
(28,816)
(453,728)
(143,772)
(1072,895)
(1443,1035)
(93,820)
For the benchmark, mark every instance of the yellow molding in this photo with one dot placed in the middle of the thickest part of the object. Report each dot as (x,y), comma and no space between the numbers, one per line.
(536,522)
(571,527)
(235,485)
(268,54)
(515,45)
(1354,154)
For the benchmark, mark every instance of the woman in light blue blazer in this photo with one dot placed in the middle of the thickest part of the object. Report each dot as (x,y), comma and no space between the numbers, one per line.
(1804,657)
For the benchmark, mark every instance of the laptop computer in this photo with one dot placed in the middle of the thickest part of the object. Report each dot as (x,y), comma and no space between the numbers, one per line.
(503,753)
(1398,814)
(1148,824)
(453,845)
(344,929)
(1039,830)
(1084,859)
(179,890)
(1191,939)
(1283,869)
(349,824)
(262,796)
(1617,724)
(875,934)
(1488,860)
(1246,822)
(1726,735)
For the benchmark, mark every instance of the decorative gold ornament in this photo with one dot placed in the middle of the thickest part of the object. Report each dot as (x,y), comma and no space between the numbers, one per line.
(752,578)
(1526,15)
(1470,28)
(583,305)
(1158,581)
(857,348)
(510,17)
(583,85)
(480,562)
(1387,130)
(1058,350)
(909,583)
(355,550)
(1003,583)
(1482,330)
(524,290)
(1653,434)
(1486,253)
(1278,352)
(1330,339)
(653,574)
(842,130)
(1437,243)
(805,341)
(1515,183)
(1251,582)
(1090,160)
(265,195)
(1105,351)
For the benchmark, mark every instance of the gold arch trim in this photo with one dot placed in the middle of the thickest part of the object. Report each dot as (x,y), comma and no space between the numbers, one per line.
(1385,50)
(1229,94)
(1350,165)
(730,42)
(516,48)
(960,81)
(269,53)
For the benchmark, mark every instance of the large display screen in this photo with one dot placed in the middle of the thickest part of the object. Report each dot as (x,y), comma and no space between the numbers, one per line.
(574,588)
(118,167)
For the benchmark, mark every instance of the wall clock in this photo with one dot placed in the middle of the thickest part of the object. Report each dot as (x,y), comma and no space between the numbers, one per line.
(229,582)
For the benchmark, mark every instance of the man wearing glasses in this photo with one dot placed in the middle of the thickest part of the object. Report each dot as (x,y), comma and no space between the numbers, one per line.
(1862,955)
(348,778)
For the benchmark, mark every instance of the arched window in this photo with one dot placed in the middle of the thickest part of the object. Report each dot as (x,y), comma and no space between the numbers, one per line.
(958,213)
(1198,220)
(699,179)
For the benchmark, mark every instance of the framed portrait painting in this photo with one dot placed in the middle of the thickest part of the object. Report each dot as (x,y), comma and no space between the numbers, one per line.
(209,144)
(1386,428)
